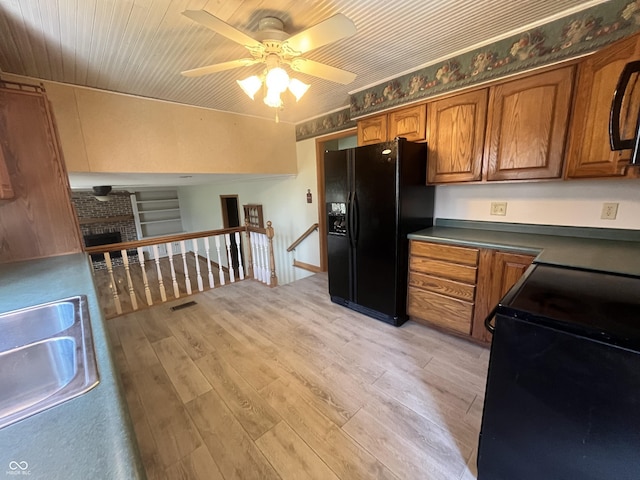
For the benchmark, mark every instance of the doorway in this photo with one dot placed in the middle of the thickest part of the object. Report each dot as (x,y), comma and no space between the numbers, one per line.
(231,219)
(335,141)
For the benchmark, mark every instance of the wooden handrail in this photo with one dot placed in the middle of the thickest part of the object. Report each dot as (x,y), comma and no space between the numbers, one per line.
(147,242)
(308,232)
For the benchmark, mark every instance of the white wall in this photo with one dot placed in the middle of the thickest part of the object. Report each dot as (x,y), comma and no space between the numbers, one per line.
(284,204)
(574,203)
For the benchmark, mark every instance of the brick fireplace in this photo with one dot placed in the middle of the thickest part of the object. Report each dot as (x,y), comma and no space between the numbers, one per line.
(106,222)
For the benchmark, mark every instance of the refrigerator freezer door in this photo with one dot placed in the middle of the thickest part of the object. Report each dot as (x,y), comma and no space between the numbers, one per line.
(375,208)
(339,254)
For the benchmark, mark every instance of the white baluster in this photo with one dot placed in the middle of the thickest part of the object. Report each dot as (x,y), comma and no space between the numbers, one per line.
(176,291)
(156,257)
(227,243)
(145,280)
(194,242)
(206,247)
(132,292)
(187,280)
(114,287)
(240,266)
(220,271)
(257,272)
(266,273)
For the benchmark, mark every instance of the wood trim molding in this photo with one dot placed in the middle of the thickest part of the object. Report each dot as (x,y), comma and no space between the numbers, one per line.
(307,266)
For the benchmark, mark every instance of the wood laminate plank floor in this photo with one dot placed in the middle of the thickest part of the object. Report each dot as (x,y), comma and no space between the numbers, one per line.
(260,383)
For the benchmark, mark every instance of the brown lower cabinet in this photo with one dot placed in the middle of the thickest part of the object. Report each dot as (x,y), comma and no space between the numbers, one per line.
(456,287)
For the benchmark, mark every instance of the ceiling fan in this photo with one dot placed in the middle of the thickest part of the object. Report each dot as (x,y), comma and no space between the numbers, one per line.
(274,47)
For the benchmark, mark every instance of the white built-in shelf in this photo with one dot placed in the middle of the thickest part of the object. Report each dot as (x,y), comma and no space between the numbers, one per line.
(160,210)
(163,200)
(157,213)
(161,221)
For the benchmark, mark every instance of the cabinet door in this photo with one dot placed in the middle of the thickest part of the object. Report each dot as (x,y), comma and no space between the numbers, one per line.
(372,130)
(590,152)
(455,137)
(408,123)
(40,222)
(497,273)
(528,126)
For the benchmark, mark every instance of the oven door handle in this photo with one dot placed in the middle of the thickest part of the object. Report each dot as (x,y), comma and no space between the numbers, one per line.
(487,321)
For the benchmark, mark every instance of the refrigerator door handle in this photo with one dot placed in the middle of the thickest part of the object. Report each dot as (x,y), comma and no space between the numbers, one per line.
(356,219)
(350,219)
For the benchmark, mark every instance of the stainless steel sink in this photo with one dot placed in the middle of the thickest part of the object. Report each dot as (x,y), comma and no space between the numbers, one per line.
(46,357)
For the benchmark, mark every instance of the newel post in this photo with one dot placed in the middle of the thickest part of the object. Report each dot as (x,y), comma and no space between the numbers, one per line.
(247,234)
(272,260)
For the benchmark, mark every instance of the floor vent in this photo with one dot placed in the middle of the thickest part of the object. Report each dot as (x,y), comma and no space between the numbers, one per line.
(183,305)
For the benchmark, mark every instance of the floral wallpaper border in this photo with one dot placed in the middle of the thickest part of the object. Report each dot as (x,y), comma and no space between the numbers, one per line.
(332,122)
(559,40)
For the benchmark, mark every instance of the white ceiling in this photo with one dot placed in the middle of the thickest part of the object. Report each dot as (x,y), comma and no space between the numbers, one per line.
(140,46)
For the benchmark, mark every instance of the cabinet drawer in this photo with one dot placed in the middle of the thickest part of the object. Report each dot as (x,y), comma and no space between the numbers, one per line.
(442,286)
(463,255)
(452,271)
(444,311)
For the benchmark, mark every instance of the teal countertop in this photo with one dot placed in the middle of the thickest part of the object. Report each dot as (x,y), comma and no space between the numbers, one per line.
(606,250)
(90,436)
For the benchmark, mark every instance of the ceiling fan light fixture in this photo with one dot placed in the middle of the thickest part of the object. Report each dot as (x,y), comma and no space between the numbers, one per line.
(250,85)
(298,88)
(272,99)
(277,79)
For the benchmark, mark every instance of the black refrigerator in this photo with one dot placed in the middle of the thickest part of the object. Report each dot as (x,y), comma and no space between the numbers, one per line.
(376,195)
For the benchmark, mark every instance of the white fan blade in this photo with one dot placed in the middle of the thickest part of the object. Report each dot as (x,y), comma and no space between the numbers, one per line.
(321,70)
(214,23)
(328,31)
(219,67)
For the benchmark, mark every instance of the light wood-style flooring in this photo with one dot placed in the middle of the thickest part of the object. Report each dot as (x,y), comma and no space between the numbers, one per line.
(260,383)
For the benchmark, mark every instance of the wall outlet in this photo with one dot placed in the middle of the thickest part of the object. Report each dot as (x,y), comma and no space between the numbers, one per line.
(609,211)
(499,208)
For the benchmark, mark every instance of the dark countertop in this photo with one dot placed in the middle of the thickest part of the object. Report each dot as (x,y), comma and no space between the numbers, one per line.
(89,436)
(602,250)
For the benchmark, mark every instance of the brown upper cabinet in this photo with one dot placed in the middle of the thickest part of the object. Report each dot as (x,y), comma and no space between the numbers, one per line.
(407,122)
(590,152)
(528,121)
(455,137)
(526,124)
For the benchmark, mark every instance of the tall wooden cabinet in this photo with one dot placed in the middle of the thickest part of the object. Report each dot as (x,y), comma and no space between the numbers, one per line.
(528,121)
(590,153)
(455,137)
(39,221)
